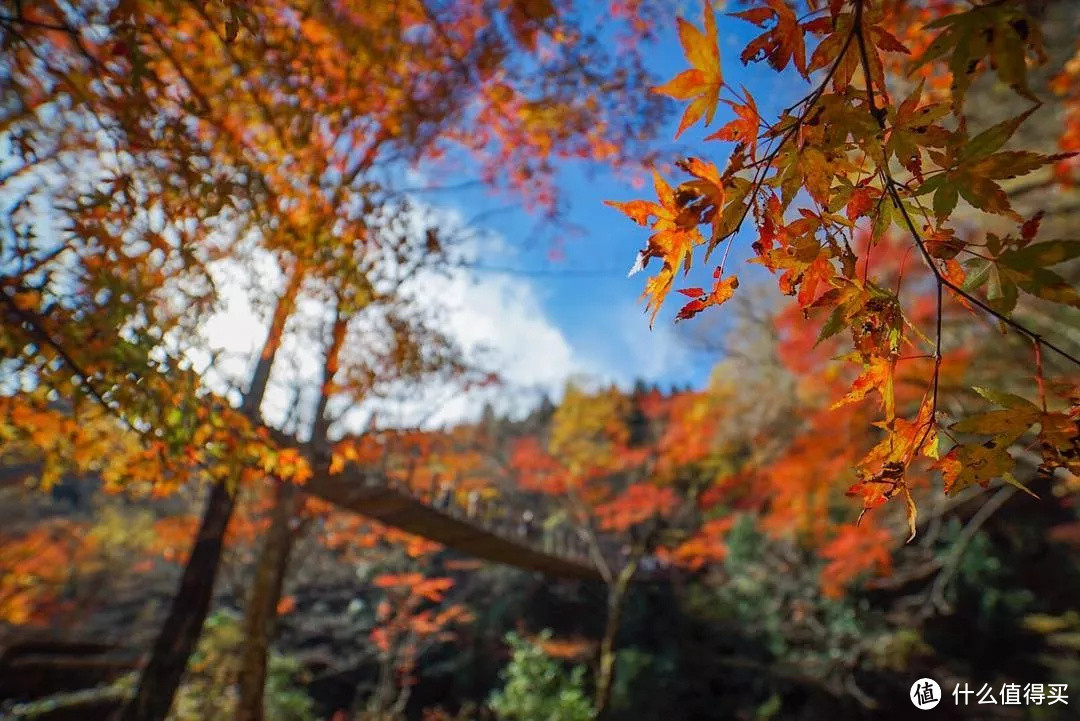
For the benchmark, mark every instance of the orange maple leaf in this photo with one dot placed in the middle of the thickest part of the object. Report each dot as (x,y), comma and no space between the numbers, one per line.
(722,291)
(703,81)
(675,236)
(781,43)
(744,128)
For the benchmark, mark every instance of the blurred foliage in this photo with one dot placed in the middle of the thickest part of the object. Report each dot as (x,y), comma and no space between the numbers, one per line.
(537,688)
(208,692)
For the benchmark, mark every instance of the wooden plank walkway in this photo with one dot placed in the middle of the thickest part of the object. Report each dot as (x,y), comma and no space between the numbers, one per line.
(368,495)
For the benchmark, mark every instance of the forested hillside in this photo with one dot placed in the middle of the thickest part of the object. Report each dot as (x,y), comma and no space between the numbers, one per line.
(758,599)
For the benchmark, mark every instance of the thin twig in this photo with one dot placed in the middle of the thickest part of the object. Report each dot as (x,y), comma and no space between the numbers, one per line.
(936,597)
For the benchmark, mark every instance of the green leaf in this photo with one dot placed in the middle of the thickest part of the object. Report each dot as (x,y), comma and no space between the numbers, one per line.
(978,272)
(964,61)
(941,44)
(1048,285)
(1011,480)
(1009,49)
(882,221)
(1005,400)
(833,325)
(1005,303)
(990,140)
(945,200)
(932,183)
(1041,255)
(1010,422)
(993,287)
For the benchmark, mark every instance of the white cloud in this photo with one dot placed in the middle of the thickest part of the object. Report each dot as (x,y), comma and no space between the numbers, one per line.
(498,320)
(502,320)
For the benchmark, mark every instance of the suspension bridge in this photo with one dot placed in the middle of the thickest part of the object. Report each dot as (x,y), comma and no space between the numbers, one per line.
(500,533)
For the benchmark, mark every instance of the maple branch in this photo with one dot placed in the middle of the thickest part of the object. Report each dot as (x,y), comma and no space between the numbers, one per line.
(331,362)
(762,171)
(892,186)
(857,28)
(1018,327)
(84,377)
(930,422)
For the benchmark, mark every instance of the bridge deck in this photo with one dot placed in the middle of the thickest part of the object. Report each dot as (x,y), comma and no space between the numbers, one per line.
(397,507)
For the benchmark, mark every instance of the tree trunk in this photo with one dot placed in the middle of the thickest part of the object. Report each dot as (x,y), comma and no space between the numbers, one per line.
(190,606)
(605,674)
(260,616)
(181,629)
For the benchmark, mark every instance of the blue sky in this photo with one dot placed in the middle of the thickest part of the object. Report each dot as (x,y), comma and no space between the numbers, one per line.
(586,296)
(577,317)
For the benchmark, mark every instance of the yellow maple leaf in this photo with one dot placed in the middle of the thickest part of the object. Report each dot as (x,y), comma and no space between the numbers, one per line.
(702,82)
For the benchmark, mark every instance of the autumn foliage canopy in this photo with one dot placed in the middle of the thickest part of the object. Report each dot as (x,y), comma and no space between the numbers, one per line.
(880,146)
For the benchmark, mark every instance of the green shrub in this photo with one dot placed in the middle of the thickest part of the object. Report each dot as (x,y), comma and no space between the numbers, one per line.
(538,688)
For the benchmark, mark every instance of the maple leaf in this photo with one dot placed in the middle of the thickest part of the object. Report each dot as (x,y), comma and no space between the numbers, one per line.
(707,184)
(674,237)
(722,291)
(744,128)
(637,210)
(711,198)
(877,377)
(1027,267)
(879,487)
(968,465)
(780,44)
(862,200)
(972,165)
(818,272)
(827,52)
(702,83)
(1001,30)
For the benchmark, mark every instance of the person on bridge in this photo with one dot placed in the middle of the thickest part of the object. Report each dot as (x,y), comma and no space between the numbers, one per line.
(525,528)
